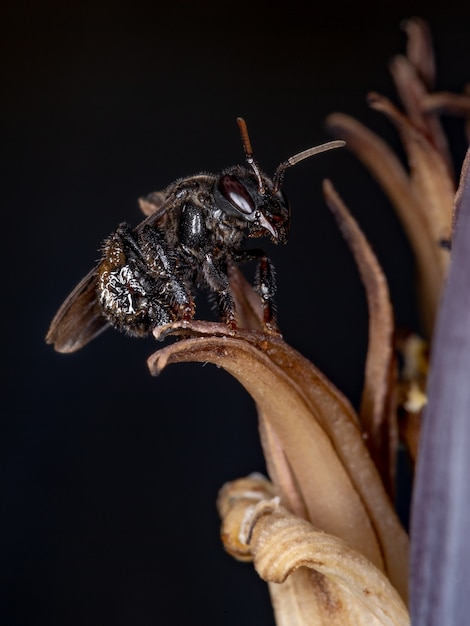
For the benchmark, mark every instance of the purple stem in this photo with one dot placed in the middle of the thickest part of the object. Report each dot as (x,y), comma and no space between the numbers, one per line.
(440,524)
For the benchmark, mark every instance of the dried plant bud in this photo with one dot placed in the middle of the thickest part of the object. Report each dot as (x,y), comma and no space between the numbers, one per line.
(236,504)
(314,578)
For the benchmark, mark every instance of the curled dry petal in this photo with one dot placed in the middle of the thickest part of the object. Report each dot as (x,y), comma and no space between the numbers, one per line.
(414,76)
(419,49)
(447,102)
(317,431)
(429,174)
(452,104)
(425,218)
(314,578)
(412,93)
(411,90)
(236,503)
(377,412)
(279,467)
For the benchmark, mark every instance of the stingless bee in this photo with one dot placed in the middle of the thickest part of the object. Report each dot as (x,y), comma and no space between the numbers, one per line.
(191,238)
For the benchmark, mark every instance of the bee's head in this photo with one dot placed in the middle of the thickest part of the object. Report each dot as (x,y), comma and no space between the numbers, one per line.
(266,213)
(249,195)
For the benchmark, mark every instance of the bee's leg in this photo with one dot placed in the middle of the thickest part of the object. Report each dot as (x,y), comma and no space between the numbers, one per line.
(160,266)
(217,280)
(265,284)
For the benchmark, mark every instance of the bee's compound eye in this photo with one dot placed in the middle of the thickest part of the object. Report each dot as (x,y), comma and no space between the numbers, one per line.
(237,194)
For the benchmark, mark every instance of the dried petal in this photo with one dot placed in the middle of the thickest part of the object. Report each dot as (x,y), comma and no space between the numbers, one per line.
(319,435)
(279,468)
(412,93)
(429,174)
(447,102)
(377,412)
(236,503)
(314,578)
(450,103)
(419,49)
(410,205)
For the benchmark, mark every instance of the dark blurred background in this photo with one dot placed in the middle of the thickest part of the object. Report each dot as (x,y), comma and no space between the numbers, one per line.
(108,476)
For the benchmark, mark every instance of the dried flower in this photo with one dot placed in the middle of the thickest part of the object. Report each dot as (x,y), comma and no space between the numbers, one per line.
(315,449)
(323,533)
(424,197)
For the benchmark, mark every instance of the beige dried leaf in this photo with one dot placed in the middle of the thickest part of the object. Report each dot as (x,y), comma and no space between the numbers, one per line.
(316,430)
(314,578)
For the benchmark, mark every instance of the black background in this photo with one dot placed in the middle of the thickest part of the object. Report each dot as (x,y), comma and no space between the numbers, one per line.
(109,477)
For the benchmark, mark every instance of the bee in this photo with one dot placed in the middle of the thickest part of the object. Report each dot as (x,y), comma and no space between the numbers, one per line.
(191,237)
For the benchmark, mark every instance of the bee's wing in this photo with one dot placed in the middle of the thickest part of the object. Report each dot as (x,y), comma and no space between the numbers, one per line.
(151,204)
(80,318)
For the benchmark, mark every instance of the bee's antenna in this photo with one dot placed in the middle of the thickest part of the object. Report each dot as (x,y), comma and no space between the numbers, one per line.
(293,160)
(249,152)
